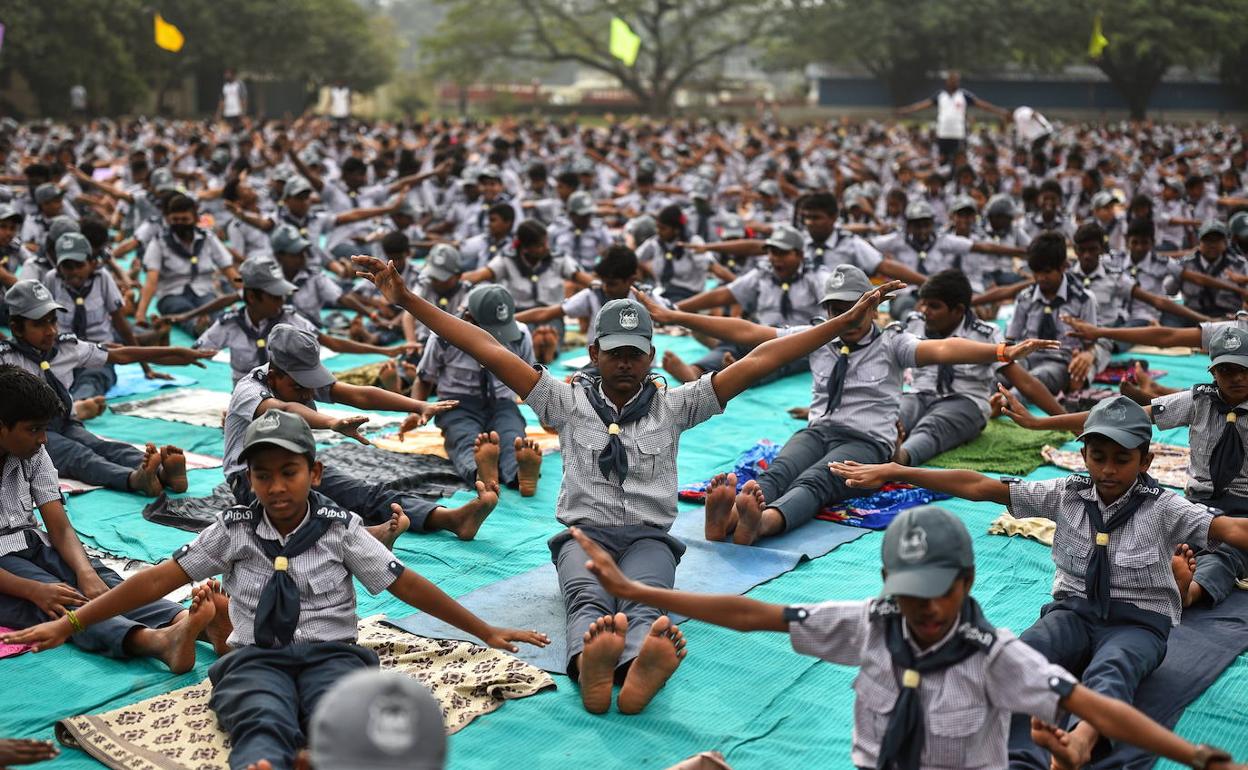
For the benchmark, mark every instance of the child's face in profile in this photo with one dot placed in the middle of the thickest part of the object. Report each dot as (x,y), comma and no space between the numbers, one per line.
(939,319)
(23,438)
(285,388)
(1113,467)
(498,226)
(930,620)
(263,305)
(1232,381)
(8,230)
(282,480)
(39,333)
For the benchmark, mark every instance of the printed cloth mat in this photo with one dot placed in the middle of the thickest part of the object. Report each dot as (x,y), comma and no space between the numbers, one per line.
(428,441)
(206,408)
(131,381)
(1039,529)
(194,461)
(1170,463)
(1117,371)
(9,650)
(177,730)
(1003,447)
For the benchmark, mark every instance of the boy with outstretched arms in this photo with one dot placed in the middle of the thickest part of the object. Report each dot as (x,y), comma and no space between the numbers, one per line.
(1115,595)
(937,682)
(287,561)
(619,478)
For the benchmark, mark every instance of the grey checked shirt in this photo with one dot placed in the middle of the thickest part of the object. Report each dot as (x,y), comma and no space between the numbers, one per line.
(175,270)
(974,381)
(1205,426)
(1139,550)
(458,375)
(966,707)
(549,283)
(759,291)
(249,392)
(648,495)
(24,486)
(1030,308)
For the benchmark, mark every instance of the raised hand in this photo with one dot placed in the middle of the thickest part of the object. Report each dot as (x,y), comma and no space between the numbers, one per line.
(350,427)
(602,565)
(859,476)
(1027,347)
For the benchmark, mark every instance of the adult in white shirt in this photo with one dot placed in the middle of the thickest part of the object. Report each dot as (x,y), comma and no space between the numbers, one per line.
(1031,128)
(951,103)
(339,101)
(233,103)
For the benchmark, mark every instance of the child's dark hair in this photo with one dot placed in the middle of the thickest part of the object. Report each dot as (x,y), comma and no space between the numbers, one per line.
(1089,232)
(1047,252)
(353,165)
(672,216)
(645,177)
(530,233)
(950,287)
(568,179)
(503,211)
(1142,228)
(95,230)
(26,397)
(178,203)
(821,201)
(1051,186)
(395,244)
(617,262)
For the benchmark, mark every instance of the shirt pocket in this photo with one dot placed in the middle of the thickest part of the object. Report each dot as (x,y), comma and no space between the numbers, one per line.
(326,585)
(873,703)
(1136,558)
(591,437)
(1071,548)
(872,370)
(654,449)
(953,734)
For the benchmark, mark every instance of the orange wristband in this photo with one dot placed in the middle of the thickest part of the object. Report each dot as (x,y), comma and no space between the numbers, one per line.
(1001,356)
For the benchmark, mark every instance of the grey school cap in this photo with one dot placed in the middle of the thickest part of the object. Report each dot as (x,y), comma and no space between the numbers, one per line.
(731,227)
(846,283)
(580,203)
(377,720)
(624,323)
(287,239)
(494,310)
(642,228)
(162,180)
(489,171)
(444,261)
(30,299)
(1103,198)
(919,210)
(72,247)
(784,238)
(9,211)
(266,275)
(1229,346)
(1212,227)
(702,190)
(964,202)
(924,550)
(279,429)
(47,192)
(296,186)
(1120,420)
(1000,205)
(768,187)
(60,225)
(297,352)
(1238,224)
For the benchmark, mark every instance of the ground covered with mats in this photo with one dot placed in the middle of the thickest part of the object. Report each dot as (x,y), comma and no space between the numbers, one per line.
(748,696)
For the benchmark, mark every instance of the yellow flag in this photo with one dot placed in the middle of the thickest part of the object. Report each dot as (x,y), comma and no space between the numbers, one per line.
(168,36)
(624,42)
(1098,41)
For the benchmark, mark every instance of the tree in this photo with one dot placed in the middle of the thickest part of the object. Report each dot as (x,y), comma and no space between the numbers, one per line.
(680,40)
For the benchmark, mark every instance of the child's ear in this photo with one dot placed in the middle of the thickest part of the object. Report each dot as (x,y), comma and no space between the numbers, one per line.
(315,472)
(593,353)
(1146,461)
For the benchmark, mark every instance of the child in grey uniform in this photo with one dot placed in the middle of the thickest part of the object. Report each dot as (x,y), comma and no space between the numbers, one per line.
(667,257)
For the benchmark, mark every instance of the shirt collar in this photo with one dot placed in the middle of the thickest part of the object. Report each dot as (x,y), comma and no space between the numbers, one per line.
(611,403)
(266,530)
(905,632)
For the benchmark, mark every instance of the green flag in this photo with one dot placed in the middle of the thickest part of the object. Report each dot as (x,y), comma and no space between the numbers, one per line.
(624,42)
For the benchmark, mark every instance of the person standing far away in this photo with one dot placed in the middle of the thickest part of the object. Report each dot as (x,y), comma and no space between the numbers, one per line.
(233,103)
(951,103)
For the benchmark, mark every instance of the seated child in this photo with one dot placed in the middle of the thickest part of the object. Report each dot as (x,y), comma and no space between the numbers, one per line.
(440,282)
(388,329)
(1115,595)
(668,260)
(619,481)
(287,561)
(485,432)
(39,348)
(582,236)
(45,572)
(937,682)
(1207,286)
(315,290)
(495,241)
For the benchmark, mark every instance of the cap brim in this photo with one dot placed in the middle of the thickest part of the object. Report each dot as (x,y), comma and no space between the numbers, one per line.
(1237,360)
(842,296)
(40,310)
(280,443)
(437,273)
(1123,438)
(317,377)
(282,288)
(72,258)
(504,332)
(616,341)
(921,582)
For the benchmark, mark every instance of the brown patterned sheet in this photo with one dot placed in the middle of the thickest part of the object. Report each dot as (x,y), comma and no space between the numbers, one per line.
(1169,466)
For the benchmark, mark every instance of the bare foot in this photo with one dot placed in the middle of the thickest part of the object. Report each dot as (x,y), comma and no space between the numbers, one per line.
(1183,565)
(719,499)
(729,359)
(175,644)
(218,631)
(750,504)
(545,344)
(389,376)
(675,366)
(485,452)
(89,408)
(658,659)
(1069,750)
(24,751)
(173,468)
(388,531)
(604,643)
(1134,392)
(468,518)
(900,456)
(360,333)
(145,479)
(529,460)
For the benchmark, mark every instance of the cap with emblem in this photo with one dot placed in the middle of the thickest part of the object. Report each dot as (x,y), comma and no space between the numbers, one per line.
(264,274)
(377,720)
(963,203)
(784,238)
(731,227)
(287,239)
(580,203)
(72,247)
(845,283)
(925,548)
(494,310)
(768,187)
(162,180)
(1120,420)
(489,171)
(1229,346)
(279,429)
(9,211)
(296,186)
(297,352)
(919,210)
(1103,198)
(47,192)
(30,299)
(443,263)
(624,323)
(1212,227)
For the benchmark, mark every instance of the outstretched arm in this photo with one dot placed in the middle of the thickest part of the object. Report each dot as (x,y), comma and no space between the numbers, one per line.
(1032,389)
(891,268)
(918,106)
(1160,336)
(1013,408)
(956,350)
(425,596)
(1001,293)
(967,485)
(1167,305)
(159,355)
(514,371)
(717,297)
(735,330)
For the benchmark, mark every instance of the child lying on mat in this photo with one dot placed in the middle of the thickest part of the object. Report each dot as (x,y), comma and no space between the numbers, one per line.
(619,481)
(287,562)
(937,682)
(1115,594)
(44,572)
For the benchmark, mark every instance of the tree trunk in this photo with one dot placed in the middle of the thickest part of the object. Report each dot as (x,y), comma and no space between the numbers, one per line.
(463,100)
(1134,79)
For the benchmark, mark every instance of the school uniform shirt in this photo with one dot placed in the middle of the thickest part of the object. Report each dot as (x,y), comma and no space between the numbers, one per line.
(1015,236)
(249,393)
(1155,274)
(1029,309)
(71,354)
(1112,288)
(974,381)
(650,204)
(944,251)
(473,217)
(439,196)
(582,244)
(966,707)
(587,302)
(236,332)
(871,397)
(1036,224)
(541,287)
(689,268)
(314,227)
(1214,302)
(176,269)
(477,251)
(842,248)
(648,495)
(247,240)
(1139,551)
(760,291)
(1186,409)
(458,375)
(100,298)
(34,229)
(314,290)
(1208,328)
(24,486)
(230,547)
(1164,211)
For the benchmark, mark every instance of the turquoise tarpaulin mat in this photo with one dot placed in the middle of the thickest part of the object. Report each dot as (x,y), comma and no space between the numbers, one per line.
(748,695)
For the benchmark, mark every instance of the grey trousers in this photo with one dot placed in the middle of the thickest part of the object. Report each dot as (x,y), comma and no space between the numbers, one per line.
(82,455)
(461,425)
(646,554)
(935,424)
(1052,374)
(799,484)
